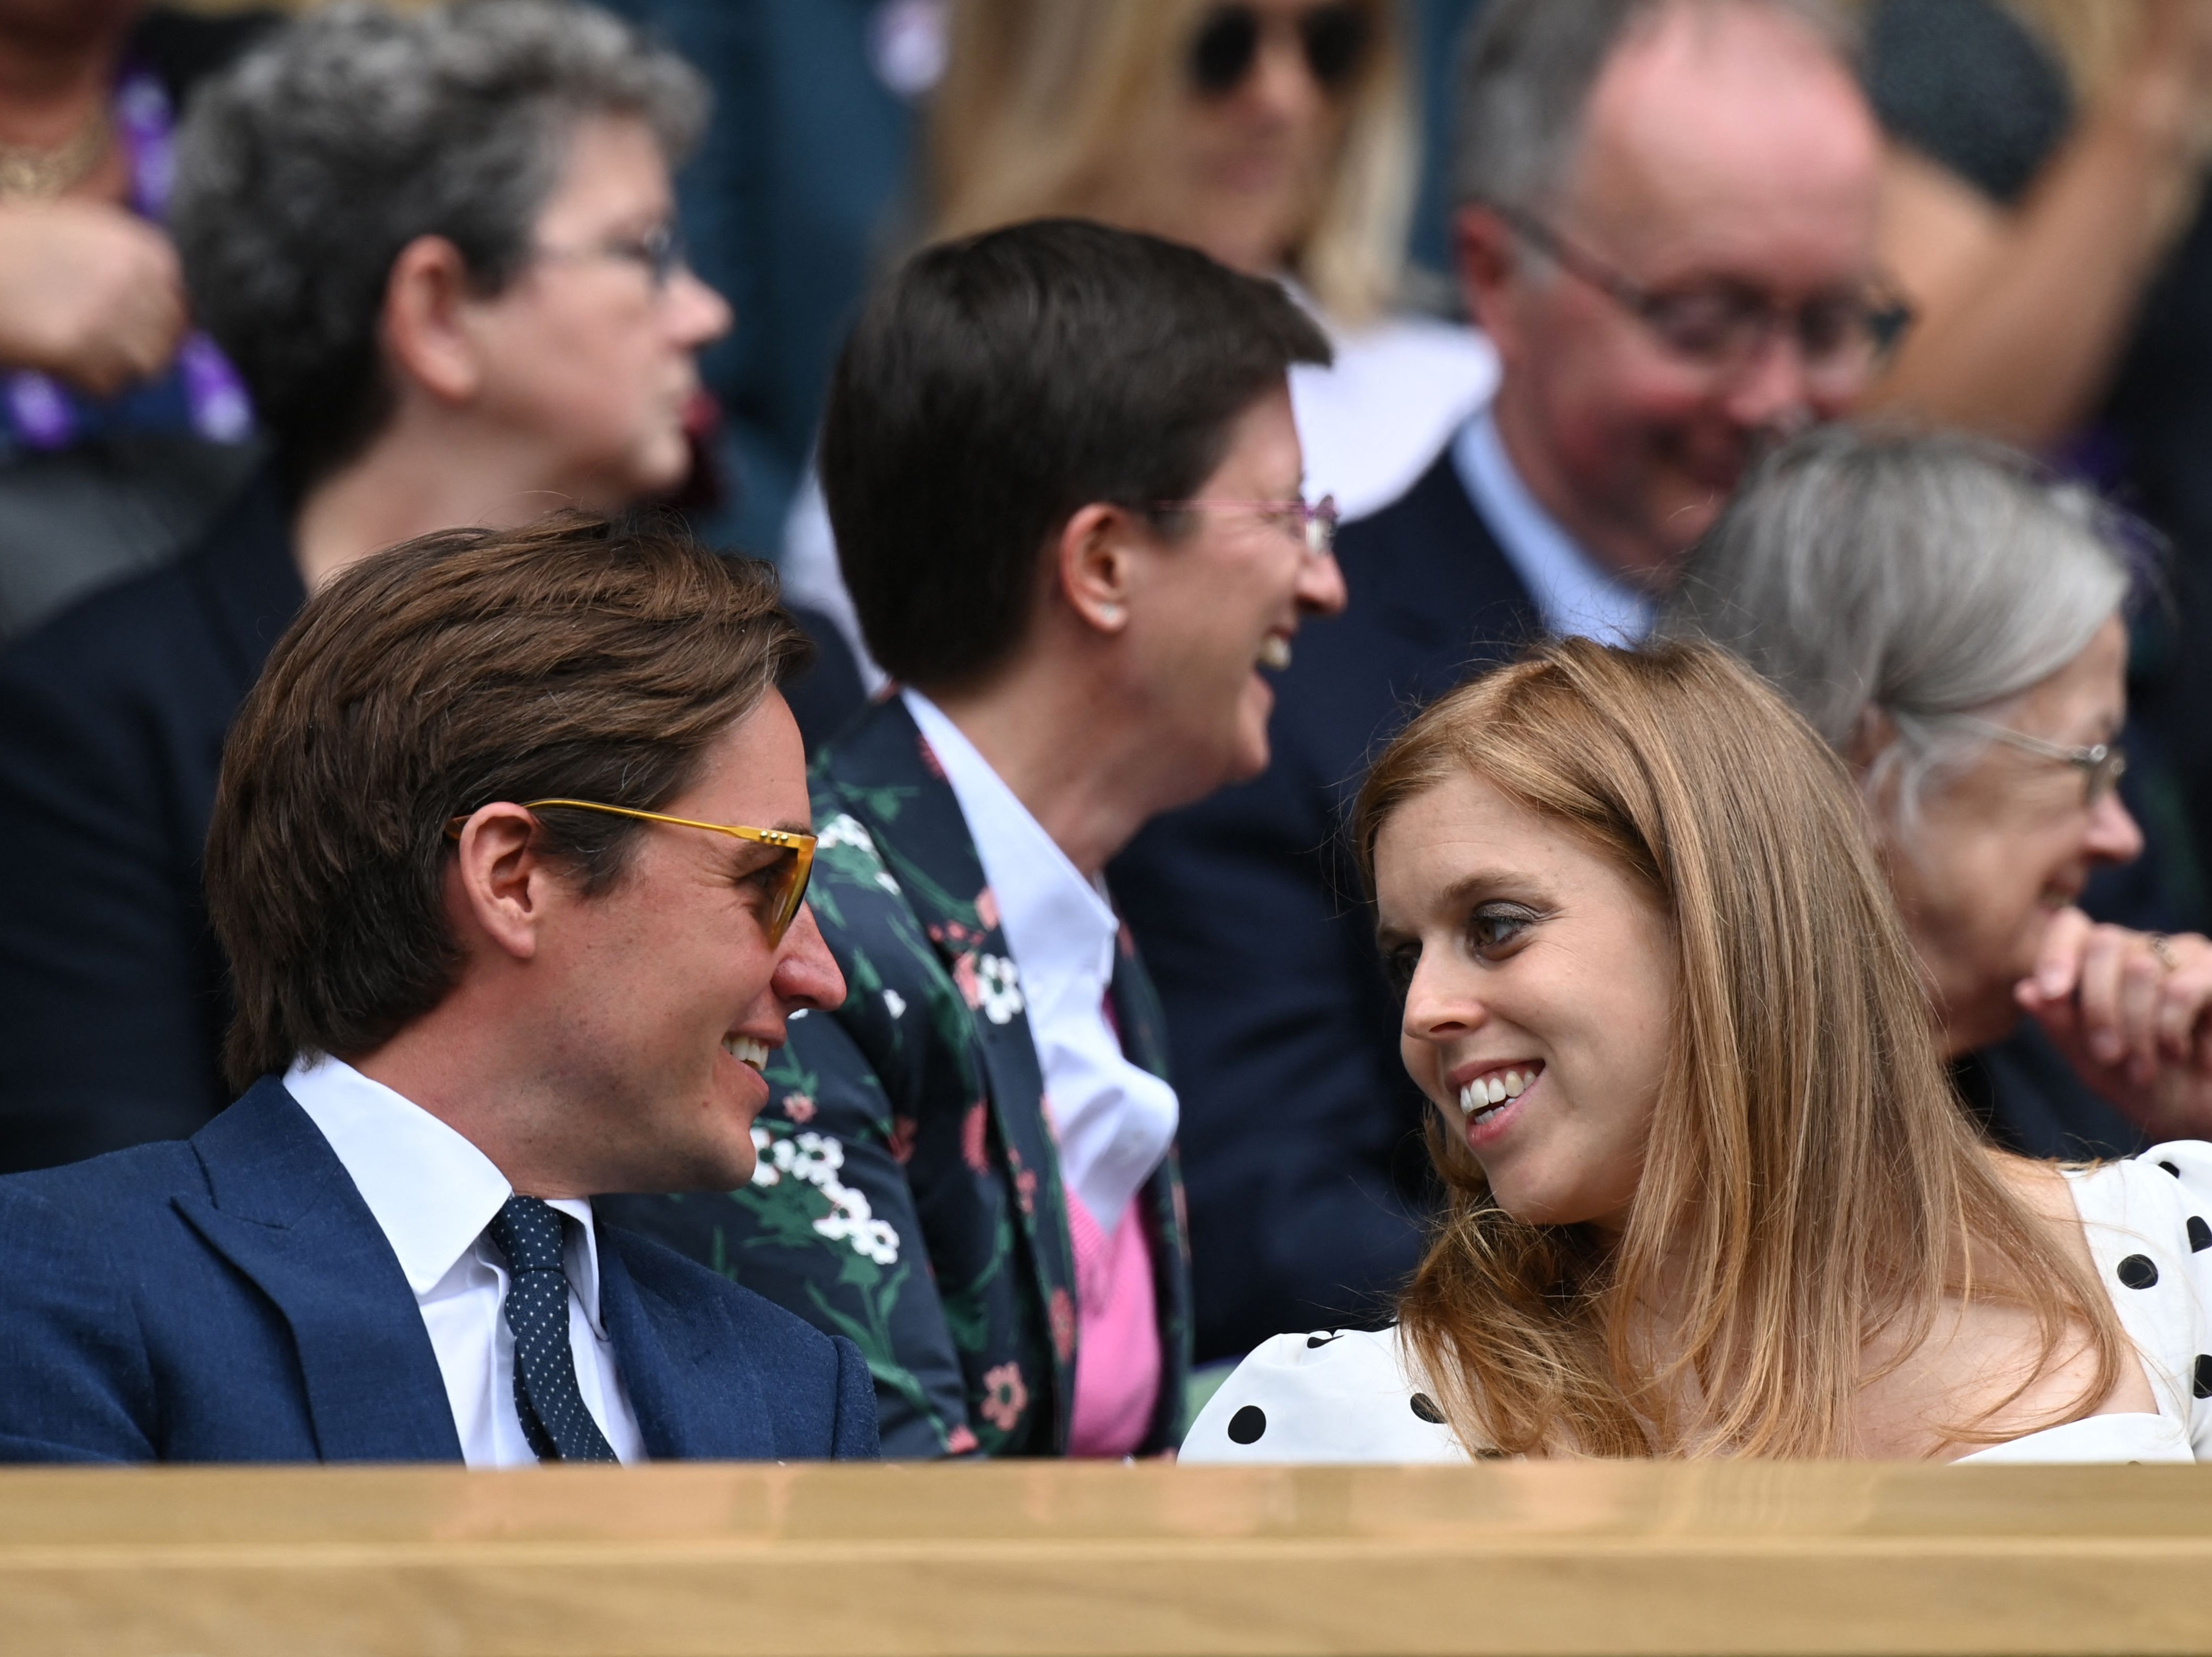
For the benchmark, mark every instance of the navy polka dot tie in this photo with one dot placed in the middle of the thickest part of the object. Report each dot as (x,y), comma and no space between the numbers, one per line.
(554,1419)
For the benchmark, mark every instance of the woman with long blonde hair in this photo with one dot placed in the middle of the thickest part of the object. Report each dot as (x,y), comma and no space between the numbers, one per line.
(1275,135)
(1710,1193)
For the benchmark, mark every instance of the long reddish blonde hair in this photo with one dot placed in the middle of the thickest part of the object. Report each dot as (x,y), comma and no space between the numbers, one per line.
(1812,1193)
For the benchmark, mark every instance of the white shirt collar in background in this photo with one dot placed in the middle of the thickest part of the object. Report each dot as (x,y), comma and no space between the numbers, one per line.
(1575,594)
(1114,1119)
(432,1193)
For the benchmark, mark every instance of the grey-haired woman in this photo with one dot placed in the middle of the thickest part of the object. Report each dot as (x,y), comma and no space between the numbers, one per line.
(1950,620)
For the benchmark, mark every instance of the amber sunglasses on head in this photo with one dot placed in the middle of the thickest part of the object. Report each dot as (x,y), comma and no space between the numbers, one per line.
(794,871)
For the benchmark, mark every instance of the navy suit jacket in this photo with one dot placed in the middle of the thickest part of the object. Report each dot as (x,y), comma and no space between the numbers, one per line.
(231,1298)
(1302,1156)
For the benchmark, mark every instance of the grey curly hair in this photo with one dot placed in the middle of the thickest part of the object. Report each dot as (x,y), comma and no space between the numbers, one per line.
(1933,576)
(304,171)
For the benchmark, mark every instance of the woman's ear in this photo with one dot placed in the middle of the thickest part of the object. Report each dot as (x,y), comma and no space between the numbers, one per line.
(1872,732)
(422,323)
(1097,564)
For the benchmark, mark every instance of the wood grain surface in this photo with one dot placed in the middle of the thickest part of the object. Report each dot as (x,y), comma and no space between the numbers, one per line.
(1050,1558)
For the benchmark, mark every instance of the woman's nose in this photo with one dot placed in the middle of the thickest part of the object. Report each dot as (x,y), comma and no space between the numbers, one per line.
(2114,835)
(1439,1007)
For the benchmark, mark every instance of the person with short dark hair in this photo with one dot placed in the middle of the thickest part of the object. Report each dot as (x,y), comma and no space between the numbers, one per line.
(510,857)
(438,246)
(1065,480)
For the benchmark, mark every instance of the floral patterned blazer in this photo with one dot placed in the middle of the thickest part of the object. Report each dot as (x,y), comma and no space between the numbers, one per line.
(909,1192)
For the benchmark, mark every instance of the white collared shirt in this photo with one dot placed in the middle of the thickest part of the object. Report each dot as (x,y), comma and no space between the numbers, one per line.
(1575,595)
(1114,1119)
(432,1194)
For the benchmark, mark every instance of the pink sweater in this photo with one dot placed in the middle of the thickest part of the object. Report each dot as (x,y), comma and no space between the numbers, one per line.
(1117,1348)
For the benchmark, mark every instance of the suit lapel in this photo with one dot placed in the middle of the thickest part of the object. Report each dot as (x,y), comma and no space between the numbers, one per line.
(691,1405)
(883,772)
(284,1211)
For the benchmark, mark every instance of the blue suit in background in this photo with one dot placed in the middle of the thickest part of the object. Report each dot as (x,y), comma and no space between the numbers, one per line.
(230,1298)
(1307,1179)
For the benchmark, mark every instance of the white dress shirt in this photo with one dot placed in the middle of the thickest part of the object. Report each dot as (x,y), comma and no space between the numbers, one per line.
(1575,594)
(432,1194)
(1114,1119)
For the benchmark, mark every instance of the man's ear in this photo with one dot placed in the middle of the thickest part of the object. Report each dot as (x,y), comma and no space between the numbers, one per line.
(1095,564)
(1488,257)
(422,323)
(500,881)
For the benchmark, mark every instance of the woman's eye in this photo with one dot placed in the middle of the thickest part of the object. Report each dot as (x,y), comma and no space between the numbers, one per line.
(1496,928)
(1398,967)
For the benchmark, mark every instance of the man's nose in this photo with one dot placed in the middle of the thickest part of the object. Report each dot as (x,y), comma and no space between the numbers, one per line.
(1771,393)
(806,973)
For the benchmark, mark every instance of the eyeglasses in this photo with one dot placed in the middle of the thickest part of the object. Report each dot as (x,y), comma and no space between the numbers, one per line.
(661,251)
(1313,524)
(1724,326)
(2101,766)
(1227,45)
(792,873)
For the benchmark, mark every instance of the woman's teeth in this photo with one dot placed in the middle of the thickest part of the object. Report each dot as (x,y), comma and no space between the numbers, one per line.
(746,1050)
(1275,651)
(1486,1093)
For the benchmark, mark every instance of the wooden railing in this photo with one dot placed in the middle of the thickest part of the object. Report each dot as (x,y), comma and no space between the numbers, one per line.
(1041,1559)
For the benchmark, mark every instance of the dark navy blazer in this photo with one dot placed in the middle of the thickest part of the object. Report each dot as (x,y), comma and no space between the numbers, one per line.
(231,1298)
(1301,1158)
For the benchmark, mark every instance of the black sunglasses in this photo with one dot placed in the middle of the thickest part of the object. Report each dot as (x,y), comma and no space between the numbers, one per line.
(1227,45)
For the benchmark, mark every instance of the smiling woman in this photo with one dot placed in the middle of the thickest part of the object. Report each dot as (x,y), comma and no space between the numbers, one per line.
(1708,1193)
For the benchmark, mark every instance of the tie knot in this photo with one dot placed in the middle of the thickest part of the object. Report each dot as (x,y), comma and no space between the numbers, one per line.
(527,1231)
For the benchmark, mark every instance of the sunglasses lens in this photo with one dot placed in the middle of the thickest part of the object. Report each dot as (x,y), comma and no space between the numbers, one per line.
(1336,44)
(1221,56)
(795,871)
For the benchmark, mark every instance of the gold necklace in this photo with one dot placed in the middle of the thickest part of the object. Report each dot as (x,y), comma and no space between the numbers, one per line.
(40,173)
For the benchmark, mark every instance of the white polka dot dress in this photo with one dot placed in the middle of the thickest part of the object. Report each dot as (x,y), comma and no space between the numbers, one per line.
(1352,1397)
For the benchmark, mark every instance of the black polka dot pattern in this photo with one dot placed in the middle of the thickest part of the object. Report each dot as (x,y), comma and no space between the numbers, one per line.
(1313,1341)
(2199,1234)
(1247,1424)
(1425,1407)
(2138,1272)
(527,1231)
(2172,1169)
(2202,1388)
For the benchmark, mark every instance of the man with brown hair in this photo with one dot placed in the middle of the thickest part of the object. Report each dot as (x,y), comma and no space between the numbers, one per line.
(509,858)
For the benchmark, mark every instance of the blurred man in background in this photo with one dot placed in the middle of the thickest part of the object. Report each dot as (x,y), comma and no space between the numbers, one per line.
(1666,224)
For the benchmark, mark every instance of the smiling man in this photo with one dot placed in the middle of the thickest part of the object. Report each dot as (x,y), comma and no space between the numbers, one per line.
(509,858)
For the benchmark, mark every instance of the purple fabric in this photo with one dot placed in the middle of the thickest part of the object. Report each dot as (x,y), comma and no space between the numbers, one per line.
(38,411)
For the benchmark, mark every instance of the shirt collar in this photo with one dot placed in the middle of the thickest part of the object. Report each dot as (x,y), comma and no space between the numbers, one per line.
(1574,593)
(431,1192)
(1059,924)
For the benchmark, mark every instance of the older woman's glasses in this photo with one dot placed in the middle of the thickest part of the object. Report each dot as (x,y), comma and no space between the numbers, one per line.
(1227,45)
(1310,523)
(1724,326)
(660,252)
(2101,765)
(788,876)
